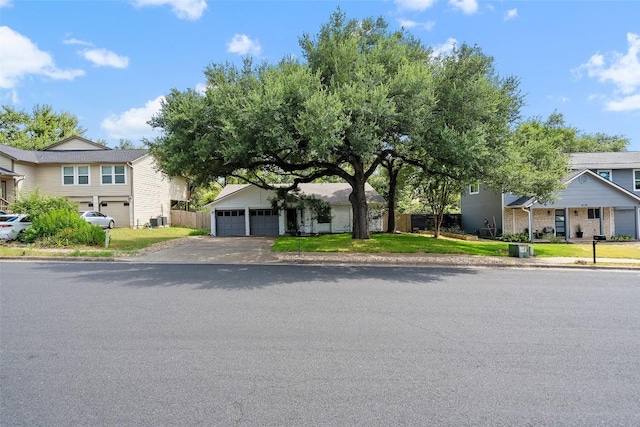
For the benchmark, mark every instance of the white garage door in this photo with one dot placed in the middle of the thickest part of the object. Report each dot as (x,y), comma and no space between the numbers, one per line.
(230,223)
(119,210)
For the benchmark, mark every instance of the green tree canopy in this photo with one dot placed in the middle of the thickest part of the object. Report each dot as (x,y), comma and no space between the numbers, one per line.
(364,95)
(38,129)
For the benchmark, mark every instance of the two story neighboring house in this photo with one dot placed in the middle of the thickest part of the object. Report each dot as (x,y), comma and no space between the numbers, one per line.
(601,197)
(124,184)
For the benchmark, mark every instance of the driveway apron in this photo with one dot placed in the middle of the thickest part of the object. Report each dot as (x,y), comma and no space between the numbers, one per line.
(213,250)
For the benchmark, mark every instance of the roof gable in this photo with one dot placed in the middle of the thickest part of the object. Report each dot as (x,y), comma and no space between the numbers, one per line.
(332,193)
(76,142)
(528,201)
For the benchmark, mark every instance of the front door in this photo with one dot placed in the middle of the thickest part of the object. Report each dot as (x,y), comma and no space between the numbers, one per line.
(560,223)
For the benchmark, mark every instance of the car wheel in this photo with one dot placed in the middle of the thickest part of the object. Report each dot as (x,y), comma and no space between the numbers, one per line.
(111,224)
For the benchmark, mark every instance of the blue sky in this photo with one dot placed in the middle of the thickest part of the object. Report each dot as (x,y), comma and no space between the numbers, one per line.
(110,62)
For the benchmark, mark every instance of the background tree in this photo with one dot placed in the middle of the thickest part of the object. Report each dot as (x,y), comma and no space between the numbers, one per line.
(439,192)
(37,130)
(575,141)
(125,144)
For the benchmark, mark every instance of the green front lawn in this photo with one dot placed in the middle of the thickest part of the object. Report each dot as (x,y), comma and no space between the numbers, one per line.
(420,243)
(123,241)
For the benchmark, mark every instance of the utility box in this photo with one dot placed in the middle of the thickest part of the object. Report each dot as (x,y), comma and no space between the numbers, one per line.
(153,222)
(518,250)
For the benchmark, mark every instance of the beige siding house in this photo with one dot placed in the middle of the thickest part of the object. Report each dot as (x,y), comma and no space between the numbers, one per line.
(124,184)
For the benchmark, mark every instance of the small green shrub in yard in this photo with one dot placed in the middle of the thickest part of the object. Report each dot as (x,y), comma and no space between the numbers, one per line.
(63,227)
(519,237)
(35,204)
(621,237)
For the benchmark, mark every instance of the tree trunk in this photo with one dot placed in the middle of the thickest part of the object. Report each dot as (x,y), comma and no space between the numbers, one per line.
(358,199)
(437,223)
(391,203)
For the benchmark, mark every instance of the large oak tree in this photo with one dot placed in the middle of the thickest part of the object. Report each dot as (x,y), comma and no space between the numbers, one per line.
(362,96)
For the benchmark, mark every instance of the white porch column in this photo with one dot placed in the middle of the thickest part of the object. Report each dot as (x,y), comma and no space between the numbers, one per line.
(213,222)
(247,222)
(601,220)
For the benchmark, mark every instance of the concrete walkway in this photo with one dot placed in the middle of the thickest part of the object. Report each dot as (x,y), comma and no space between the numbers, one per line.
(210,250)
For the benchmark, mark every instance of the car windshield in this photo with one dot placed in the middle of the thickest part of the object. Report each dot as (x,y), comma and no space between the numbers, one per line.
(8,218)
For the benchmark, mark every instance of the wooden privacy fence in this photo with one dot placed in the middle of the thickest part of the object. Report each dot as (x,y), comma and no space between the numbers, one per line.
(403,222)
(200,220)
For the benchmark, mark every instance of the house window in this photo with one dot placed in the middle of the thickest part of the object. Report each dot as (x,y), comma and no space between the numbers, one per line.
(474,188)
(324,217)
(636,180)
(593,213)
(113,174)
(75,175)
(606,174)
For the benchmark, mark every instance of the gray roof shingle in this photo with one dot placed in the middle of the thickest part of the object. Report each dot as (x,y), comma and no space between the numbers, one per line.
(614,160)
(72,156)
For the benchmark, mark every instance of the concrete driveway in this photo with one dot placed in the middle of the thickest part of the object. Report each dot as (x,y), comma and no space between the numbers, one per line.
(211,250)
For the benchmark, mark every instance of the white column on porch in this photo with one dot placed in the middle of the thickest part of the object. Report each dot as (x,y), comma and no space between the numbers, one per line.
(247,222)
(601,220)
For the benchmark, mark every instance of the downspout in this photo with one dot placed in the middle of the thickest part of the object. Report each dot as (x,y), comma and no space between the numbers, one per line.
(131,199)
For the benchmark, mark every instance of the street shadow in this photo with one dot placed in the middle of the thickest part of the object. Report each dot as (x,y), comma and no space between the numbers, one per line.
(235,277)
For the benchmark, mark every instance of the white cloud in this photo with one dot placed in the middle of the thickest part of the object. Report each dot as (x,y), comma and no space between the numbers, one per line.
(408,23)
(629,103)
(201,88)
(76,41)
(419,5)
(132,124)
(105,58)
(5,3)
(242,45)
(620,69)
(445,48)
(511,14)
(468,7)
(184,9)
(19,57)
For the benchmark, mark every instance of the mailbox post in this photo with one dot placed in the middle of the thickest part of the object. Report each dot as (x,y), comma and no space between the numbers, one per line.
(596,239)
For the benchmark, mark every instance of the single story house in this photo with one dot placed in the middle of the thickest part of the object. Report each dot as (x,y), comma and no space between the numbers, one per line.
(601,197)
(125,184)
(247,210)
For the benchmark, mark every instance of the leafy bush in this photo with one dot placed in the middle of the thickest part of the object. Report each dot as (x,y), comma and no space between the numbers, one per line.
(454,230)
(518,237)
(34,204)
(63,227)
(621,237)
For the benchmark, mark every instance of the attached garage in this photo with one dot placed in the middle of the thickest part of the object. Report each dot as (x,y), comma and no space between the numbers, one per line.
(263,222)
(625,221)
(119,210)
(230,223)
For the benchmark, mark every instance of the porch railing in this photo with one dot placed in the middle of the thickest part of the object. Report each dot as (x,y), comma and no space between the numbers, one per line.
(4,204)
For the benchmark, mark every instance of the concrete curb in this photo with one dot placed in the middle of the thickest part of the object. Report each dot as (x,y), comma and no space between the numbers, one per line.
(369,260)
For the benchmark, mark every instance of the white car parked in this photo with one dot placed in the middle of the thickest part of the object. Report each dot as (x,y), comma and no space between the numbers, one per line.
(11,225)
(99,219)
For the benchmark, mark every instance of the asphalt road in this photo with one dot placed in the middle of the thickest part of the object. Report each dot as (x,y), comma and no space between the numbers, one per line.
(274,345)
